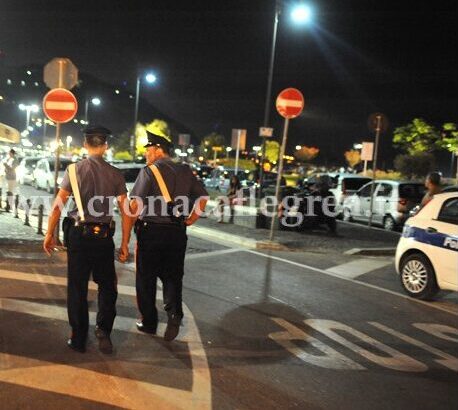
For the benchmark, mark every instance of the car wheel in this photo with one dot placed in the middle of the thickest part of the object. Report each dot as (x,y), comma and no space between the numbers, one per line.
(347,215)
(389,224)
(418,278)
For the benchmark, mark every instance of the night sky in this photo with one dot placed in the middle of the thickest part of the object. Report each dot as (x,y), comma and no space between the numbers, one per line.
(211,58)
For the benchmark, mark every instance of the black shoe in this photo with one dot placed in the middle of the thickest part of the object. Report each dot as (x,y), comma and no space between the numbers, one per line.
(81,348)
(105,345)
(173,327)
(145,329)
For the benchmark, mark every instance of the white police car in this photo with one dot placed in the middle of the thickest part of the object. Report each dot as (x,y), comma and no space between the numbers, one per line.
(427,253)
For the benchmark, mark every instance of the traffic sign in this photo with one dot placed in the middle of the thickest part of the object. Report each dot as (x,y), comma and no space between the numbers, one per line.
(290,103)
(266,132)
(60,105)
(60,73)
(377,122)
(367,151)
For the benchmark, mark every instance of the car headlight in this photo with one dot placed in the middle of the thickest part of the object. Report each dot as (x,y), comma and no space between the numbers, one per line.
(406,231)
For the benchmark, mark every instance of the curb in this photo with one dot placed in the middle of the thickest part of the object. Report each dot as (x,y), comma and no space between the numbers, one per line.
(371,251)
(218,236)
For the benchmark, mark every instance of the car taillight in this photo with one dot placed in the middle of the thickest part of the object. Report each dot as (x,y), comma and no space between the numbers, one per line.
(402,201)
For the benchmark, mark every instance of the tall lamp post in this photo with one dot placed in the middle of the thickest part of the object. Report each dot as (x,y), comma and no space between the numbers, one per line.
(150,78)
(28,109)
(300,14)
(94,101)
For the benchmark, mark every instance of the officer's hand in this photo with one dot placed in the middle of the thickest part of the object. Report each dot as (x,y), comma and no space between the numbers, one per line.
(49,244)
(123,253)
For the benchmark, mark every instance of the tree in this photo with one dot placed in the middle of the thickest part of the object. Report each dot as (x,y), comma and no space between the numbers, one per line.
(211,140)
(415,166)
(272,151)
(353,157)
(416,137)
(306,154)
(449,137)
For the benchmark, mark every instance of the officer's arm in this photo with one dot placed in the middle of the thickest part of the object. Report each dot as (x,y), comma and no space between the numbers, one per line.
(53,219)
(197,211)
(126,219)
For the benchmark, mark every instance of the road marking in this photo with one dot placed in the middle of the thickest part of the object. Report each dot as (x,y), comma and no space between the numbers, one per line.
(200,396)
(453,310)
(329,359)
(447,360)
(440,331)
(213,253)
(390,358)
(358,267)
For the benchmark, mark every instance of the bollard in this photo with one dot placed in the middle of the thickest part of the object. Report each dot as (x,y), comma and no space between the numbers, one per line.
(40,219)
(27,212)
(16,206)
(9,195)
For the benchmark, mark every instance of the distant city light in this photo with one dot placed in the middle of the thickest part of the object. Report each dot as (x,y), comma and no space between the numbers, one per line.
(1,97)
(22,83)
(96,101)
(29,72)
(301,14)
(256,148)
(178,151)
(357,146)
(30,128)
(228,149)
(9,82)
(75,121)
(116,91)
(298,147)
(150,78)
(36,84)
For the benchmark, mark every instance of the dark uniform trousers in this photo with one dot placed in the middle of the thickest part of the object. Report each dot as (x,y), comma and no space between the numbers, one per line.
(161,250)
(86,256)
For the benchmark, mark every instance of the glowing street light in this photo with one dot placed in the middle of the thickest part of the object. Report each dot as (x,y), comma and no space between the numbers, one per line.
(28,109)
(298,147)
(301,14)
(150,78)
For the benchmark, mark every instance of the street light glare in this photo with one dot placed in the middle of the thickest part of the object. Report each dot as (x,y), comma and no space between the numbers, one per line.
(150,78)
(301,14)
(34,108)
(22,107)
(96,101)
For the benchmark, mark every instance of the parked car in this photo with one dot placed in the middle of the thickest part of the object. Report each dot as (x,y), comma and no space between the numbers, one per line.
(201,171)
(346,185)
(392,203)
(269,181)
(427,253)
(25,169)
(220,177)
(43,175)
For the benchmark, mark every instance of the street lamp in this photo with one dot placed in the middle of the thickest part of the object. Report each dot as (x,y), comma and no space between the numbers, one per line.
(300,14)
(150,78)
(28,109)
(94,101)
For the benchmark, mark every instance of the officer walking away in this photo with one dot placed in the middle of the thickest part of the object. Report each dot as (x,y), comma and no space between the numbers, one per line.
(88,235)
(161,232)
(433,187)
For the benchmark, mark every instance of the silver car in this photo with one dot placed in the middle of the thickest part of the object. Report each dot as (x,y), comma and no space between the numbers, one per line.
(392,203)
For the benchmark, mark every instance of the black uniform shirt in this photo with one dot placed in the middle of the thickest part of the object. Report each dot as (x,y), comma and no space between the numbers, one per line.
(180,181)
(99,183)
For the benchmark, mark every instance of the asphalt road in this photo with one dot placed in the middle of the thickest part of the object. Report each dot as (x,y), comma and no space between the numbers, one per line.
(274,330)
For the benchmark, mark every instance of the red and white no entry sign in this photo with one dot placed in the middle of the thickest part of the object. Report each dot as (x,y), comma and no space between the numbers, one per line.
(290,103)
(60,105)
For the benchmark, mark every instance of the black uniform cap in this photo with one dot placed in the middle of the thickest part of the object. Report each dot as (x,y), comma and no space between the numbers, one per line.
(96,135)
(157,140)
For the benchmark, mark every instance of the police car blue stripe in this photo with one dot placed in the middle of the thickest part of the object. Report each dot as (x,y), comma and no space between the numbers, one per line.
(431,238)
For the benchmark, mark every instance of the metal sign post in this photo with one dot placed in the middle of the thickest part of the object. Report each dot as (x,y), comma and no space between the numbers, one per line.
(280,170)
(237,153)
(378,122)
(264,133)
(238,142)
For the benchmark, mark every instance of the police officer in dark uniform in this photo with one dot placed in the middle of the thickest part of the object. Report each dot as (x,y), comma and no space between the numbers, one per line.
(88,233)
(161,232)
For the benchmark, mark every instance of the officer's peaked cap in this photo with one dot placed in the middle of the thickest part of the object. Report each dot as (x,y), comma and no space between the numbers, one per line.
(96,135)
(157,140)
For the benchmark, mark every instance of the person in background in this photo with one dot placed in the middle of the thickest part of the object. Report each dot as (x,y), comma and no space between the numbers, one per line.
(433,187)
(10,165)
(234,187)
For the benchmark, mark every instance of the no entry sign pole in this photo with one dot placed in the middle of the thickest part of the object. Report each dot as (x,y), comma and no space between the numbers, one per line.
(290,103)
